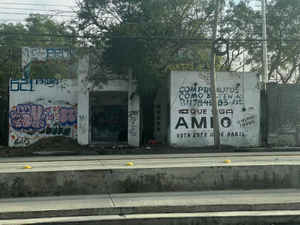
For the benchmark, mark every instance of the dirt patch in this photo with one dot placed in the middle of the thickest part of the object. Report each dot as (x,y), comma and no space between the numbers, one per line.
(59,143)
(52,144)
(66,146)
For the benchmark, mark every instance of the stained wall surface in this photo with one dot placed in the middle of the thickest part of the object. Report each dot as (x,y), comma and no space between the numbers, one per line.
(283,114)
(191,118)
(113,85)
(54,56)
(40,108)
(108,116)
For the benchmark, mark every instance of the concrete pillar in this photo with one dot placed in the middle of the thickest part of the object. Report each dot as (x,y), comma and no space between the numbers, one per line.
(133,114)
(83,102)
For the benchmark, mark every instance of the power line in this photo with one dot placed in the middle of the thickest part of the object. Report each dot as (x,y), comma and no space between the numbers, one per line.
(51,10)
(105,36)
(21,19)
(141,38)
(52,15)
(17,13)
(31,4)
(121,45)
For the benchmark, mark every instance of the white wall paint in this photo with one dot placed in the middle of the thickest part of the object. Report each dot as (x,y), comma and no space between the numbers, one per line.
(41,108)
(83,135)
(48,107)
(42,54)
(133,114)
(113,85)
(191,111)
(32,55)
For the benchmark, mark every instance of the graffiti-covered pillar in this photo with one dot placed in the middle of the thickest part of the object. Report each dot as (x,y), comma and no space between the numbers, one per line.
(133,114)
(83,102)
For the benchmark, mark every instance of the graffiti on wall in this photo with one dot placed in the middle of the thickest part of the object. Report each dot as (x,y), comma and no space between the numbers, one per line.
(30,84)
(111,118)
(205,77)
(133,116)
(192,115)
(82,127)
(48,62)
(44,53)
(29,116)
(108,122)
(202,96)
(41,108)
(34,121)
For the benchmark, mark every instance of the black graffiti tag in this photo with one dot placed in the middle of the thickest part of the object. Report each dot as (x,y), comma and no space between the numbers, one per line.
(226,122)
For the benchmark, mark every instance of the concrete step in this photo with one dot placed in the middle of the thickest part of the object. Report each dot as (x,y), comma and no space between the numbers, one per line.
(231,218)
(58,178)
(251,156)
(149,203)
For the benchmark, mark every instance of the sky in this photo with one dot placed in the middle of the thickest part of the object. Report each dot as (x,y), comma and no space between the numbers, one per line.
(13,11)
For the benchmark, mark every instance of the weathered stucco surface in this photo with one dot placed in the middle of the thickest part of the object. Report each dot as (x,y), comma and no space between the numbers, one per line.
(41,108)
(103,181)
(191,109)
(283,114)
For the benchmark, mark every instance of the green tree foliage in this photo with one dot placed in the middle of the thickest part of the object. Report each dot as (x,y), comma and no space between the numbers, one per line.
(37,31)
(283,24)
(241,21)
(147,35)
(48,33)
(11,51)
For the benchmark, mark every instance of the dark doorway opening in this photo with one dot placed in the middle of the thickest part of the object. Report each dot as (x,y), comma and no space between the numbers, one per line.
(109,123)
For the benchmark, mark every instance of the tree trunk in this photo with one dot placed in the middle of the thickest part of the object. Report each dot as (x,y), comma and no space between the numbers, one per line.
(148,116)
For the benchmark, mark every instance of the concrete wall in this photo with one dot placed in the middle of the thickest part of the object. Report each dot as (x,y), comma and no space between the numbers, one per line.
(283,110)
(49,107)
(38,54)
(40,108)
(145,178)
(161,118)
(83,134)
(191,110)
(42,54)
(114,84)
(133,114)
(108,116)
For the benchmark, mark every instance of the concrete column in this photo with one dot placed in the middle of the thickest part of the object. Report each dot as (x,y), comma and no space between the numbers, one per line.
(133,114)
(83,102)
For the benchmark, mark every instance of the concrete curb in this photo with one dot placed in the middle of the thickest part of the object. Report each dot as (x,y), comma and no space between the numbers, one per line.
(264,217)
(135,180)
(143,156)
(148,210)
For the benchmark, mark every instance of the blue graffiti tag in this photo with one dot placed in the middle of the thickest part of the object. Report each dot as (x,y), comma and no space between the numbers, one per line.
(28,116)
(21,85)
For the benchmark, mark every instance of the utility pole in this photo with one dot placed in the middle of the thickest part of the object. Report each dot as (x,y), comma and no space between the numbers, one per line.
(265,44)
(213,81)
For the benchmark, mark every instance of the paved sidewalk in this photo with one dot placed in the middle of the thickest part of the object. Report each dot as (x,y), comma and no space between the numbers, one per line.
(254,155)
(139,203)
(73,163)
